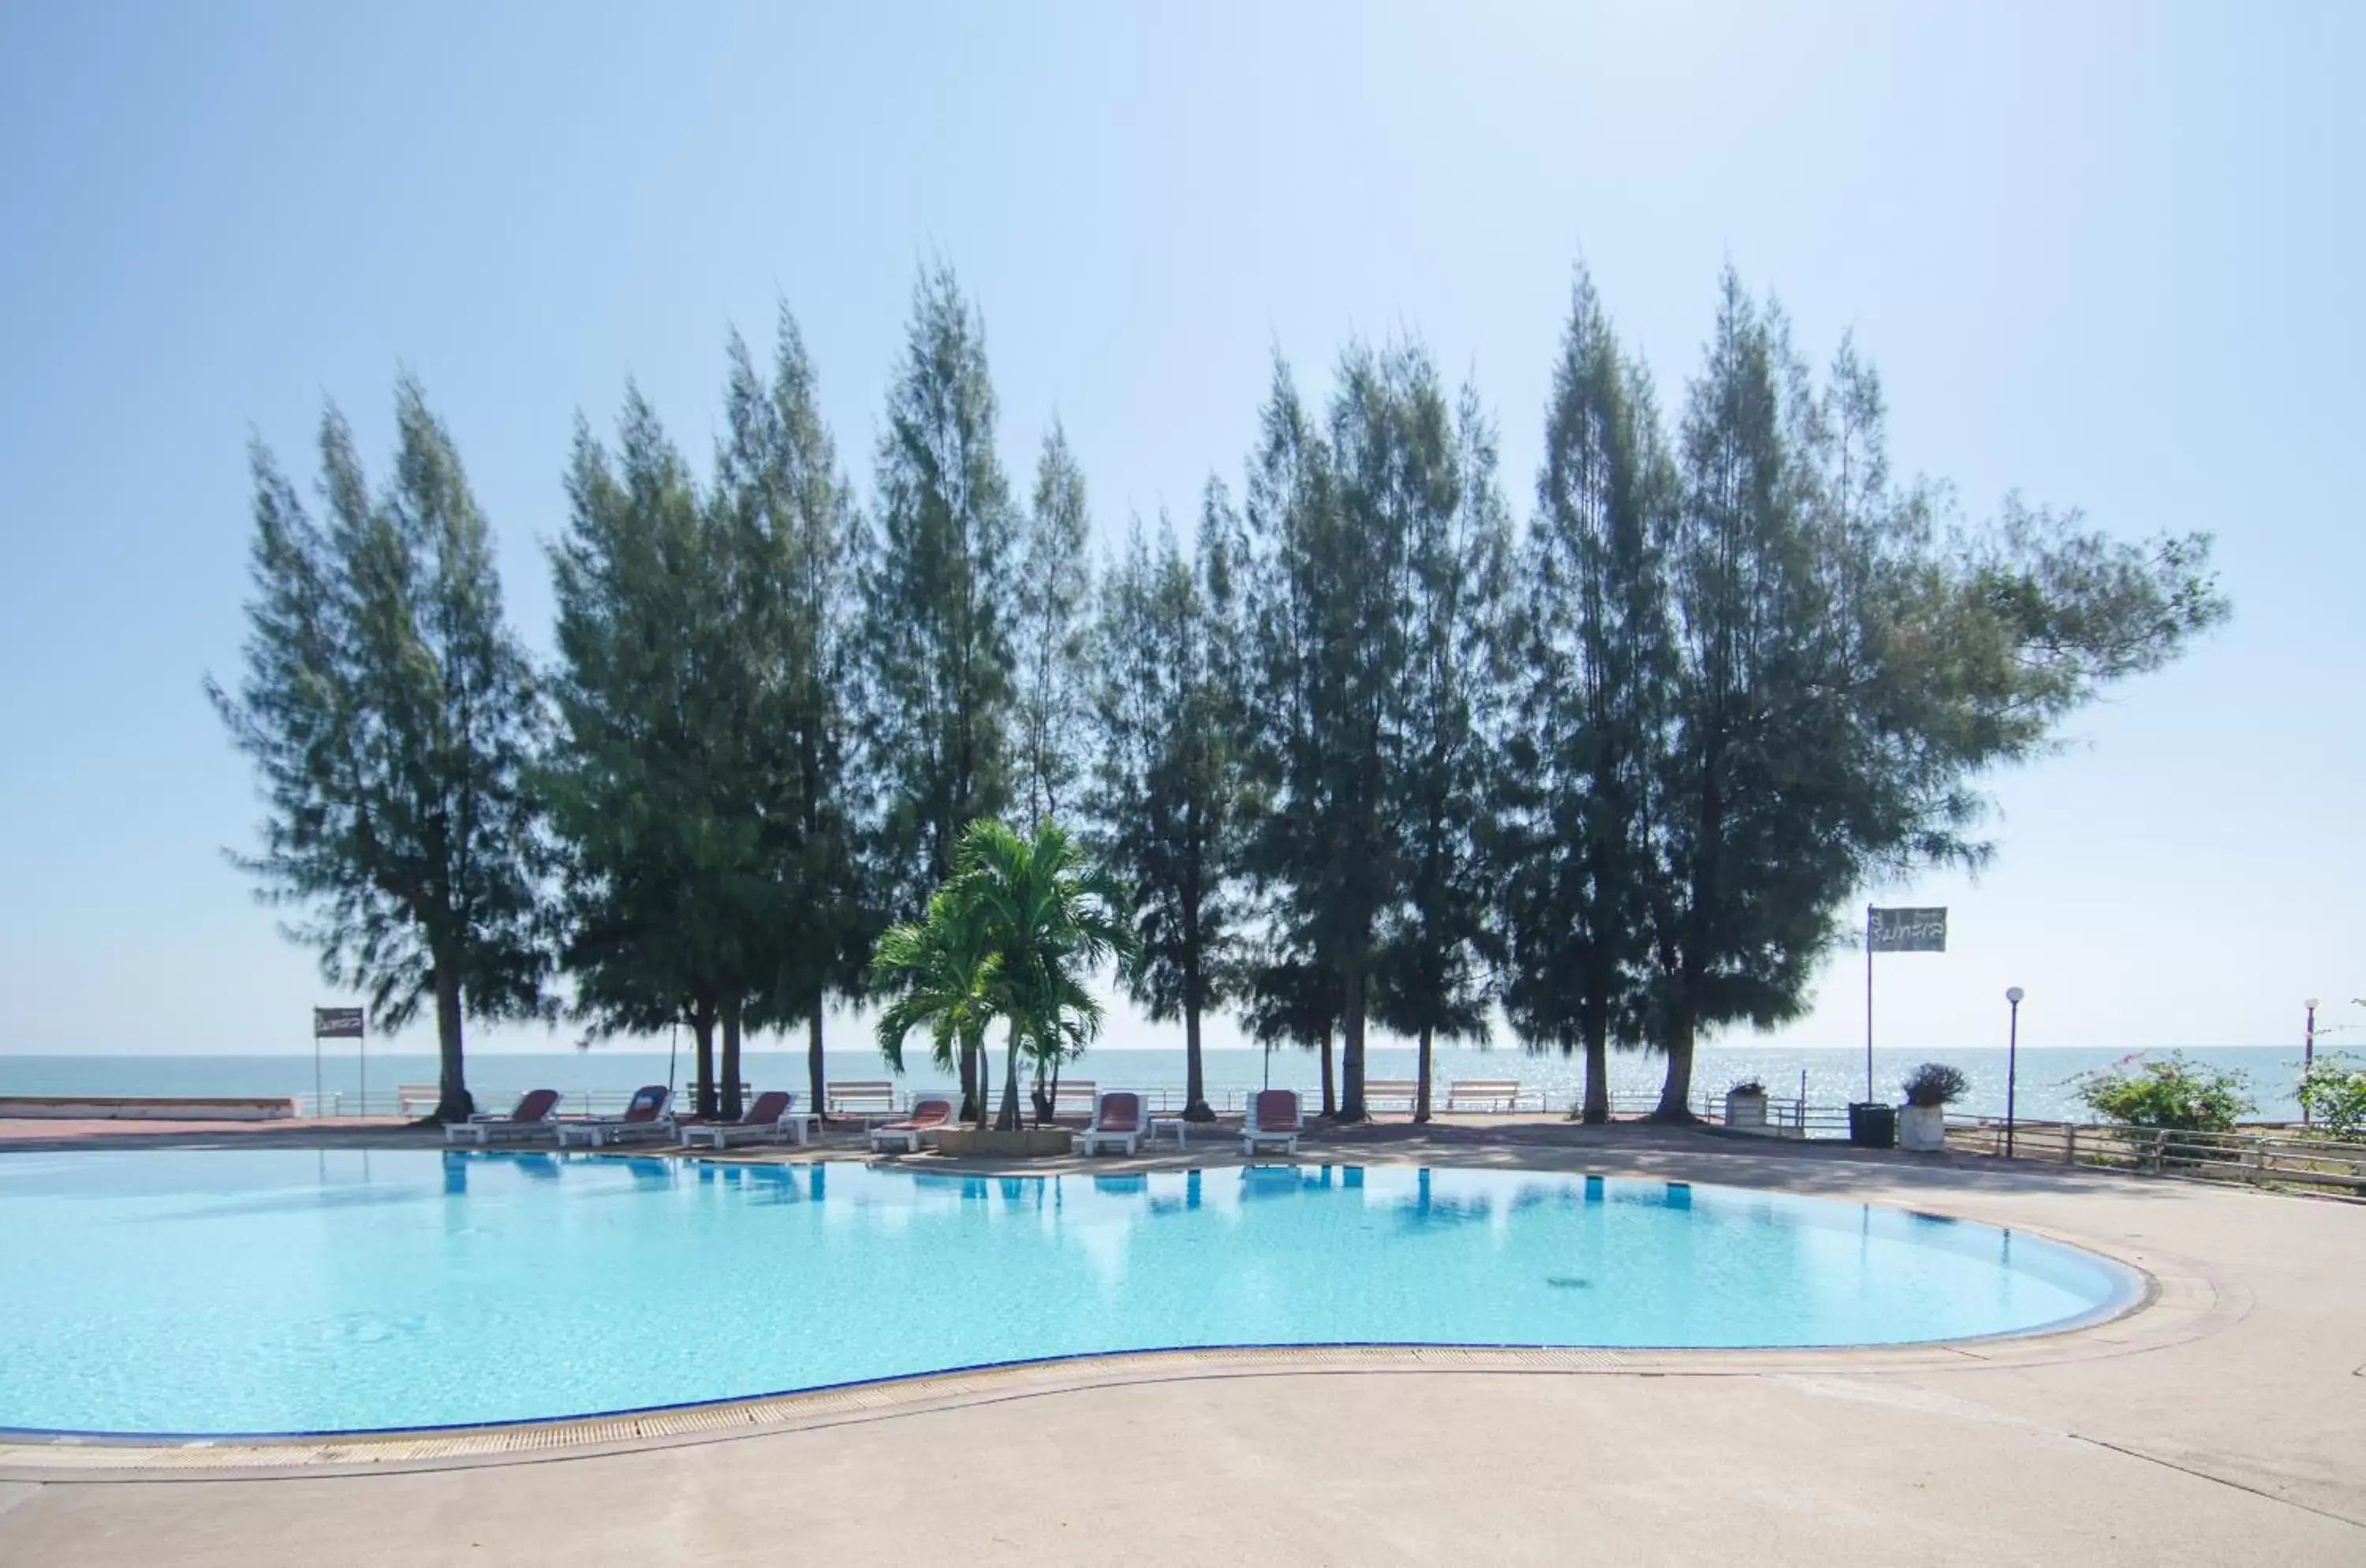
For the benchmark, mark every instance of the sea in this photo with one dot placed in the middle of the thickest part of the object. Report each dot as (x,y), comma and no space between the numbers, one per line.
(2045,1081)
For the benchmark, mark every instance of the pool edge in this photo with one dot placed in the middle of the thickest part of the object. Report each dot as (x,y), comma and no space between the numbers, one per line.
(2171,1305)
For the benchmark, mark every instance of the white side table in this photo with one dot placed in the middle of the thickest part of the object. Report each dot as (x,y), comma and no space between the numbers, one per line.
(1175,1124)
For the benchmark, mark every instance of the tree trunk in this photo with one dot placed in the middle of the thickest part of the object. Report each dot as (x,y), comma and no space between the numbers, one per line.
(984,1080)
(1676,1093)
(1330,1095)
(1351,1049)
(1195,1081)
(1006,1119)
(816,1085)
(973,1105)
(453,1101)
(1421,1079)
(702,1026)
(1597,1071)
(729,1109)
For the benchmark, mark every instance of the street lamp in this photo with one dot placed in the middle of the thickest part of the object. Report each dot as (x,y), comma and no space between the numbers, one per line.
(2011,1061)
(2307,1051)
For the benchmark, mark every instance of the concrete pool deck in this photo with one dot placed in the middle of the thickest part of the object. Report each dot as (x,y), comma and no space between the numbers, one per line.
(2223,1422)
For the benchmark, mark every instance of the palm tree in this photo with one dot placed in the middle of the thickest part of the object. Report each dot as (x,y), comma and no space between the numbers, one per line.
(937,974)
(1048,920)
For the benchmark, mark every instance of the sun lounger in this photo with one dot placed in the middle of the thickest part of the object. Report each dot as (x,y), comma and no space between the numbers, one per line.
(928,1116)
(1117,1120)
(649,1116)
(772,1115)
(534,1115)
(1272,1118)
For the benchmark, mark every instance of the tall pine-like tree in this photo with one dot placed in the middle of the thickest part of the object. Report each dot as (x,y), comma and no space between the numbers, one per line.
(1292,682)
(796,535)
(1337,520)
(1755,840)
(1439,939)
(1050,631)
(1576,788)
(656,856)
(1167,791)
(936,605)
(1843,676)
(392,718)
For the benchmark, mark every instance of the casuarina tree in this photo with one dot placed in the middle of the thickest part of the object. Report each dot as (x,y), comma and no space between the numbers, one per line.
(794,535)
(1338,521)
(1167,791)
(1593,647)
(1438,940)
(1294,654)
(1846,673)
(1049,633)
(648,683)
(937,602)
(392,717)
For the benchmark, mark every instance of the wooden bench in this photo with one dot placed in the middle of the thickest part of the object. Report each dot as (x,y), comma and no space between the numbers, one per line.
(1408,1091)
(416,1098)
(1492,1094)
(873,1099)
(1079,1098)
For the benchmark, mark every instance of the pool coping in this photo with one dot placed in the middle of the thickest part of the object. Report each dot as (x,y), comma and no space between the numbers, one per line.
(2177,1301)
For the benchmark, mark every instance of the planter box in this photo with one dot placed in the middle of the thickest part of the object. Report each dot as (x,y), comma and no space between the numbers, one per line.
(1922,1128)
(1028,1143)
(1746,1112)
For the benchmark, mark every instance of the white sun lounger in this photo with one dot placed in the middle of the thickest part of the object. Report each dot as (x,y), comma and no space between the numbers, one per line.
(771,1116)
(928,1117)
(1117,1120)
(534,1113)
(649,1116)
(1273,1120)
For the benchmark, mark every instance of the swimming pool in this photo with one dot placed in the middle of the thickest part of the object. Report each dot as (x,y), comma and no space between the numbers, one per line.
(286,1291)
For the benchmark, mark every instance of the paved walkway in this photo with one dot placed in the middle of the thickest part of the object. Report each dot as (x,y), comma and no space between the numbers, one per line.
(2239,1437)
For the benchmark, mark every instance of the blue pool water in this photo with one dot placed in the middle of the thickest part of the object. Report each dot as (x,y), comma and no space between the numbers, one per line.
(271,1291)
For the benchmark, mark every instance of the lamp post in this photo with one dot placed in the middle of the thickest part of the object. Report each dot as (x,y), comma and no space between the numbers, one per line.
(2011,1061)
(2307,1051)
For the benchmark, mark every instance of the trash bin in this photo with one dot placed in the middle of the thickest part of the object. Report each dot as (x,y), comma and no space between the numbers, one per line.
(1872,1125)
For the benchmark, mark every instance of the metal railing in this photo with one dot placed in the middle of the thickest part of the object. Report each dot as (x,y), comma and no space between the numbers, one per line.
(1787,1117)
(391,1103)
(2278,1155)
(2262,1157)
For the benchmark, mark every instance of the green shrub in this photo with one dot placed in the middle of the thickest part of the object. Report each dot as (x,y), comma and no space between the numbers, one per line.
(2176,1093)
(1936,1083)
(2334,1092)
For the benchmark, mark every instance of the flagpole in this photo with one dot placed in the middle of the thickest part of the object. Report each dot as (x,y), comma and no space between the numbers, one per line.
(1868,1004)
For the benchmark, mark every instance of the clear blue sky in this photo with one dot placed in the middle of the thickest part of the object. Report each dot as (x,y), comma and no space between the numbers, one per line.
(2102,253)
